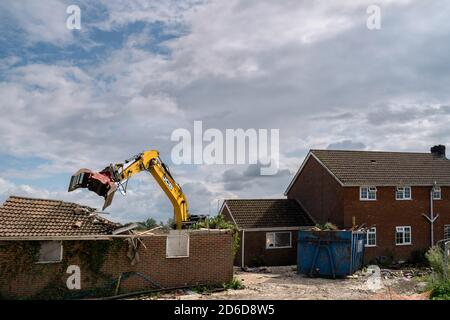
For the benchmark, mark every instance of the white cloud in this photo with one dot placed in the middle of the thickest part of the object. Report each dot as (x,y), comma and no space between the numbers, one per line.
(310,69)
(42,21)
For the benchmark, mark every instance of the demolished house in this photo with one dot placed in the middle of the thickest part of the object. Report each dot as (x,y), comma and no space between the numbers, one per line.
(52,249)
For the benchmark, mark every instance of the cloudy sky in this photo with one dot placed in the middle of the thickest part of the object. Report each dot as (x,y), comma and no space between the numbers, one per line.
(137,70)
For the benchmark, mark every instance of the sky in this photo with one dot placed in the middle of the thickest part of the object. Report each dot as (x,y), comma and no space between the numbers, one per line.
(138,70)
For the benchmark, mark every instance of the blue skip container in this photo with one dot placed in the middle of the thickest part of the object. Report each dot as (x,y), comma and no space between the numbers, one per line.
(330,253)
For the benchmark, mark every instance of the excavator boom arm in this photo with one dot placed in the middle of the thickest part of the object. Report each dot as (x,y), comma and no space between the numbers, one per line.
(105,182)
(150,161)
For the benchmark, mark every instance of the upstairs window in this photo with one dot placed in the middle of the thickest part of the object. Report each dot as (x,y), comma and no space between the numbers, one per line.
(368,193)
(403,193)
(278,240)
(402,235)
(437,193)
(371,240)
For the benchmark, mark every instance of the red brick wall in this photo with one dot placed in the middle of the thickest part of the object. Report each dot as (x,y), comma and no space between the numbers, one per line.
(256,252)
(210,261)
(325,200)
(319,192)
(255,248)
(387,213)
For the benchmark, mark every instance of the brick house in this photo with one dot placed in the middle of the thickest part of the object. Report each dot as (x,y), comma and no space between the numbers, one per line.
(268,230)
(398,194)
(45,244)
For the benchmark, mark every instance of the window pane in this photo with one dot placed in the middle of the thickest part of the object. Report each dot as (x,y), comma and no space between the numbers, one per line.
(283,239)
(363,193)
(407,193)
(399,237)
(407,235)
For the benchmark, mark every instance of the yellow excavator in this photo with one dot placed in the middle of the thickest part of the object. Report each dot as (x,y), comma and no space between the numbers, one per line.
(106,182)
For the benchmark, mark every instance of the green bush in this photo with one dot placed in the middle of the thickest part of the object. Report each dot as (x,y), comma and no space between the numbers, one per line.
(435,257)
(439,286)
(441,291)
(219,222)
(234,284)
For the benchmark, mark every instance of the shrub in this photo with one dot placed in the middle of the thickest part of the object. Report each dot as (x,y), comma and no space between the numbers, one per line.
(441,291)
(219,222)
(435,257)
(234,284)
(439,286)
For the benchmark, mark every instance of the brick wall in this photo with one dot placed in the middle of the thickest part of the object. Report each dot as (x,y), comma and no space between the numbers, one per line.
(210,261)
(326,200)
(256,252)
(387,213)
(319,192)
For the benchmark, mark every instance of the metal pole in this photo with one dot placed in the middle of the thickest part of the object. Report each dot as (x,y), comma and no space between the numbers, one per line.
(446,254)
(432,216)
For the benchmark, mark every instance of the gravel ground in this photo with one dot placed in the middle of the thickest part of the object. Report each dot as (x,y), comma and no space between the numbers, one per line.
(283,283)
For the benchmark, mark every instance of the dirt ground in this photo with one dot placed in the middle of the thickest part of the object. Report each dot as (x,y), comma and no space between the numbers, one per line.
(281,283)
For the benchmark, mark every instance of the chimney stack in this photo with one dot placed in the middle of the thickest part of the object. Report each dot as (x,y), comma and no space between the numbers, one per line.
(438,151)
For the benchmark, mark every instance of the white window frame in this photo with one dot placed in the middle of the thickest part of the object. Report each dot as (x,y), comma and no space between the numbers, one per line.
(402,189)
(447,232)
(402,229)
(369,189)
(273,235)
(437,190)
(374,232)
(51,261)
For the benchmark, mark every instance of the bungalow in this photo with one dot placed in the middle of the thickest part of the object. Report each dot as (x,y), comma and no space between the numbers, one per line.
(52,249)
(268,229)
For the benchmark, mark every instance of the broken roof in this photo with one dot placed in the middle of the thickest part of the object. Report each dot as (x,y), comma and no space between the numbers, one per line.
(381,168)
(27,217)
(267,213)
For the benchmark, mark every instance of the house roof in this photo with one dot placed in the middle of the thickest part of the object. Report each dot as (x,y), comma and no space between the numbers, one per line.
(380,168)
(27,217)
(267,213)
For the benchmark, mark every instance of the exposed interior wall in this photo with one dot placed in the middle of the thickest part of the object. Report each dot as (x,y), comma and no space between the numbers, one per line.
(210,262)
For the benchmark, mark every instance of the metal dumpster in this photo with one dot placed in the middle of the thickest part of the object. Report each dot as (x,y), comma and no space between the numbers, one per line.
(330,253)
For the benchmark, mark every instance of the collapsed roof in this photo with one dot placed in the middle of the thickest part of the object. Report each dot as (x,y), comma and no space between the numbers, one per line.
(28,217)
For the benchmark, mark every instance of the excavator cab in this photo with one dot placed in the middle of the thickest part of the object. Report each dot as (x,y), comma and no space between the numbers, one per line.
(102,183)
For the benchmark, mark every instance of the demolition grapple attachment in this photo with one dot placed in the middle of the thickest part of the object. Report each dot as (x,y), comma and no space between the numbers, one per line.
(102,183)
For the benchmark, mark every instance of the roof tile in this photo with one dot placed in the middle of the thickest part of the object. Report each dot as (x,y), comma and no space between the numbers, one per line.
(268,213)
(378,168)
(27,217)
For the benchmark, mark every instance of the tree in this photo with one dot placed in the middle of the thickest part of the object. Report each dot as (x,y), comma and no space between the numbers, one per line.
(148,224)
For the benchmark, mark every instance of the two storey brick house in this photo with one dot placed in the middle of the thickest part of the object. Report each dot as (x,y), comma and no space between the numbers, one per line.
(404,197)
